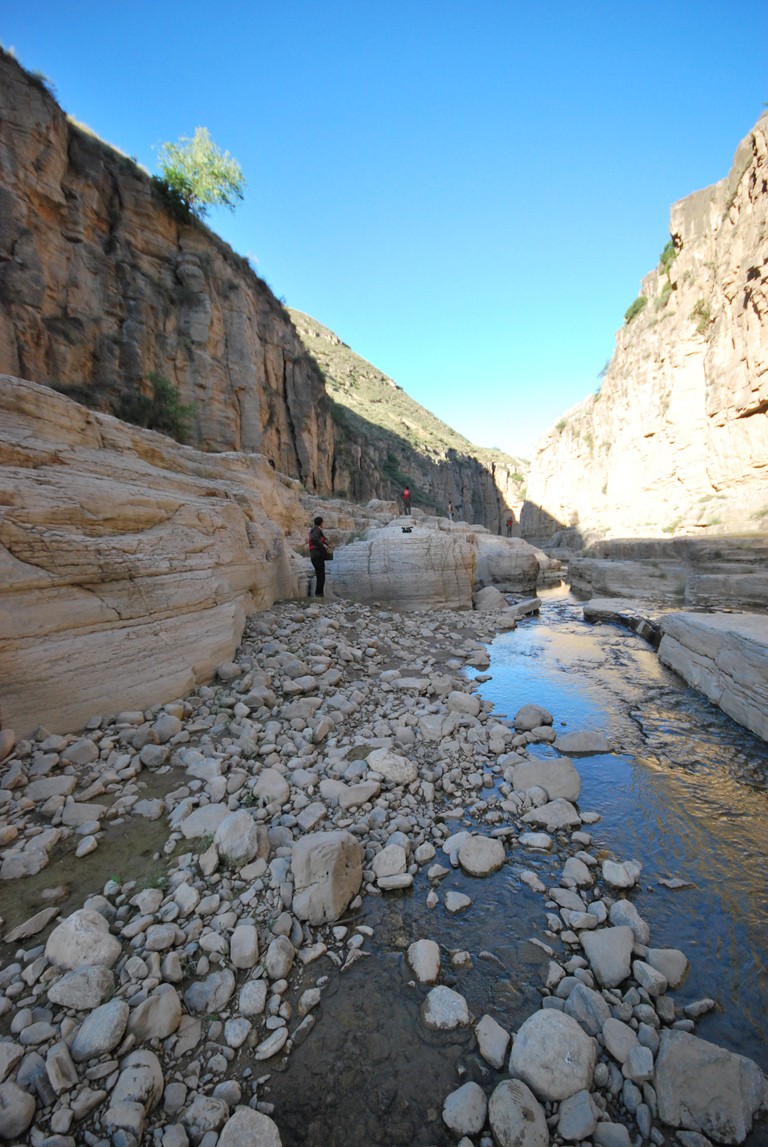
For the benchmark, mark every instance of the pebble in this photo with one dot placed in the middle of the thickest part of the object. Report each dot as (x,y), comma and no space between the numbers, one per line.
(308,730)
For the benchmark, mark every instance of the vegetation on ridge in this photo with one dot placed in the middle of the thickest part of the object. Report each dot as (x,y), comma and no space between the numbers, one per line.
(359,391)
(200,175)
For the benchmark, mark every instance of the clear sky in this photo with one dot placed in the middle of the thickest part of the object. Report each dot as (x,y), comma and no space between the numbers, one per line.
(467,193)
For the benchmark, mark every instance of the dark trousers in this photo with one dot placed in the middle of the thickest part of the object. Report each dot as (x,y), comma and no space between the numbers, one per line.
(318,561)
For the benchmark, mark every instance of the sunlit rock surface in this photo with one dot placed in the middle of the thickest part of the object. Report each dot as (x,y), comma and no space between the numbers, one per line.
(128,563)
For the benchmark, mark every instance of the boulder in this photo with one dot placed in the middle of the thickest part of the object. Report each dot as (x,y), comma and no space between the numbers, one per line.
(558,813)
(609,951)
(424,569)
(584,743)
(444,1009)
(238,839)
(249,1128)
(492,1041)
(530,716)
(327,872)
(489,599)
(553,1055)
(508,562)
(707,1089)
(83,938)
(557,776)
(84,988)
(17,1110)
(101,1030)
(517,1118)
(424,958)
(396,769)
(481,855)
(465,1109)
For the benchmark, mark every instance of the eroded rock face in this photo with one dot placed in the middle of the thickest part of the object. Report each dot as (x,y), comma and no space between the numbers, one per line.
(424,569)
(100,285)
(128,563)
(677,438)
(725,656)
(436,565)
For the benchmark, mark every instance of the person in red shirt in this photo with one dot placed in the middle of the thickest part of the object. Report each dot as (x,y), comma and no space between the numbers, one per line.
(406,496)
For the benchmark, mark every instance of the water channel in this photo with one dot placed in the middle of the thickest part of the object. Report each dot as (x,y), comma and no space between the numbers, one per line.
(684,792)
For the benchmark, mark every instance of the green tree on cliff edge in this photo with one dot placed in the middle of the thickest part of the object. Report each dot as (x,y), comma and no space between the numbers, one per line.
(200,173)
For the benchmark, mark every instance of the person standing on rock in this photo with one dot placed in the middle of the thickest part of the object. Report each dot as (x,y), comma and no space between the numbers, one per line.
(510,524)
(406,496)
(319,553)
(450,510)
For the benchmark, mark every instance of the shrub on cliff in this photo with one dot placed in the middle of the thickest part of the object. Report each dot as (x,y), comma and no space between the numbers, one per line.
(199,175)
(163,410)
(634,309)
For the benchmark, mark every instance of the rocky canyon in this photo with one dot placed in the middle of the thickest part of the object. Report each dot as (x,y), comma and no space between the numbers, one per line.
(675,440)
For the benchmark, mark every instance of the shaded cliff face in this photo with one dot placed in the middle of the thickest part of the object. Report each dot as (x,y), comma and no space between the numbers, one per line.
(676,440)
(100,285)
(385,440)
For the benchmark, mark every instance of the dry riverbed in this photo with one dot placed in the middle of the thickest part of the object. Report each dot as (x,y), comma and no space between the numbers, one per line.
(181,887)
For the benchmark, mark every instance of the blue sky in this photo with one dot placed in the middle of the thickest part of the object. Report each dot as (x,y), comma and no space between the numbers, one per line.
(468,194)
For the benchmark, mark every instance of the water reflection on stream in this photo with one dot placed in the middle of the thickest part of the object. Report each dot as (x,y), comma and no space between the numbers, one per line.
(684,793)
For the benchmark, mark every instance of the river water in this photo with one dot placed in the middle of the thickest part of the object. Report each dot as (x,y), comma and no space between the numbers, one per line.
(684,792)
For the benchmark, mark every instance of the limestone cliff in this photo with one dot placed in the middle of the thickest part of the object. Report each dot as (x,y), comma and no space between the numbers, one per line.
(385,440)
(100,285)
(676,439)
(128,563)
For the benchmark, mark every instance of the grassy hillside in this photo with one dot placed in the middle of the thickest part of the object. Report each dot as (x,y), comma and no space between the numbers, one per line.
(359,387)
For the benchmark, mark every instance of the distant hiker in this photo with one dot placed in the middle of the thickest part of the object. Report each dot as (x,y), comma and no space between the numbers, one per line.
(319,553)
(510,524)
(450,510)
(406,496)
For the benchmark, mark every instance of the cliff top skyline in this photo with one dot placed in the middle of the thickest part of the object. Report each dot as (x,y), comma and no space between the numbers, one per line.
(469,199)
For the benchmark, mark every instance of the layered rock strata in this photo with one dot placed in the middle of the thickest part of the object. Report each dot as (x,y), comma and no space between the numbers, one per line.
(432,564)
(676,438)
(725,657)
(128,562)
(722,573)
(100,285)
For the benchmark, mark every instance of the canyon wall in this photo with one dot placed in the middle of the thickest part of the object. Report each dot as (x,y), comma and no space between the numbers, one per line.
(128,562)
(676,439)
(100,285)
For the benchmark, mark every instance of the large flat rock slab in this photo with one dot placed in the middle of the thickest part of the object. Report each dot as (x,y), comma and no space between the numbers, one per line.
(725,657)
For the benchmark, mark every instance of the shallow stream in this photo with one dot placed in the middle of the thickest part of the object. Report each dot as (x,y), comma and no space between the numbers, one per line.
(684,792)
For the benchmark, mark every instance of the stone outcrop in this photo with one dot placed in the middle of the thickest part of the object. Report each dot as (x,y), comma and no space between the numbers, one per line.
(129,562)
(676,439)
(100,285)
(722,573)
(431,564)
(424,569)
(724,656)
